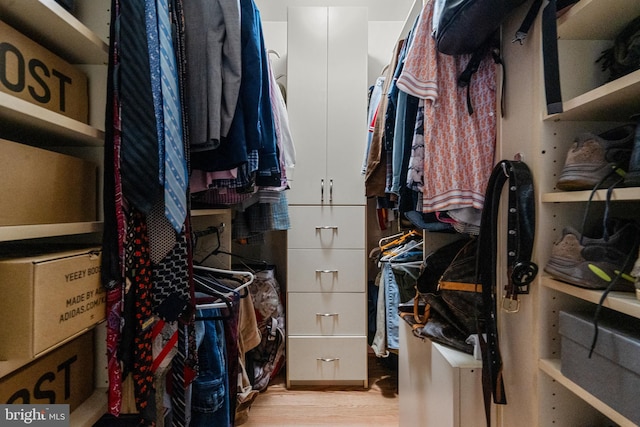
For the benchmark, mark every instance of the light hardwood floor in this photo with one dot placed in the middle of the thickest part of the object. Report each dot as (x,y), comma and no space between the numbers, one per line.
(353,407)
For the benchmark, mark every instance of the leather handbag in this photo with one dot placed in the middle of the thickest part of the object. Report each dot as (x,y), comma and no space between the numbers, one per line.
(433,266)
(456,307)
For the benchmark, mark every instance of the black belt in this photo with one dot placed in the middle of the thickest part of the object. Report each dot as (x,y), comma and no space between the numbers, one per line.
(521,271)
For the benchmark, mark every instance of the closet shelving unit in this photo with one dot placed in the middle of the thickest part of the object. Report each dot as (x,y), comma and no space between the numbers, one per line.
(591,103)
(80,39)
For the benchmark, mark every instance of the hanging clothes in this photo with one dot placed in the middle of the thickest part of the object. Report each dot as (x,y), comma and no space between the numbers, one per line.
(459,147)
(214,55)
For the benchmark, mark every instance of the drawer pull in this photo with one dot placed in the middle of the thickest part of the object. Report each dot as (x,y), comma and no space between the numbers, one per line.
(327,314)
(326,271)
(326,227)
(330,191)
(322,191)
(328,359)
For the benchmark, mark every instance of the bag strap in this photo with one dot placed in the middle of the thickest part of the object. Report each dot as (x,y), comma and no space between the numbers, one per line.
(520,234)
(550,59)
(523,31)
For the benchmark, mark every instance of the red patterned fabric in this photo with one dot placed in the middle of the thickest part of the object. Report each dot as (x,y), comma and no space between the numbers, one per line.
(459,147)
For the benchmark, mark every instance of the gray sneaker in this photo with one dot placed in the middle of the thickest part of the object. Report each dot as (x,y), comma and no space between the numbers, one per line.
(594,263)
(597,159)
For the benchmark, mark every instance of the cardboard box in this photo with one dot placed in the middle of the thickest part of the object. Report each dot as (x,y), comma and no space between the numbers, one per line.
(30,72)
(42,187)
(612,374)
(64,376)
(47,299)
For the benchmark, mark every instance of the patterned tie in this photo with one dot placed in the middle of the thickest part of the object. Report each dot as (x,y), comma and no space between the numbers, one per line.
(175,173)
(139,157)
(178,401)
(140,278)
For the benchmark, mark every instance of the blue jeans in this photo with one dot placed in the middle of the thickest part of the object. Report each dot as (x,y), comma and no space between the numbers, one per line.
(209,402)
(392,300)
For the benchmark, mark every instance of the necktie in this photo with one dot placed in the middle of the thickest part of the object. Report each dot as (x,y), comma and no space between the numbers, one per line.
(153,44)
(140,278)
(175,173)
(139,156)
(112,268)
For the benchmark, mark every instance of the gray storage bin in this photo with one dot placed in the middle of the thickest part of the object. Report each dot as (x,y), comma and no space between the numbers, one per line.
(612,374)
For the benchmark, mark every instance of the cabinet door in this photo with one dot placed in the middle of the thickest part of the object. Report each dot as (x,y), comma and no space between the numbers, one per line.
(347,104)
(307,101)
(327,103)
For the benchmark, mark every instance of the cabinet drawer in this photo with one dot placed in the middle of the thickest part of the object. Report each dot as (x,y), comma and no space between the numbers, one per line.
(326,314)
(327,227)
(321,270)
(324,358)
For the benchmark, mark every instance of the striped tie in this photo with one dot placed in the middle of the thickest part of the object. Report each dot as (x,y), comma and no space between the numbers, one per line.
(178,401)
(175,173)
(139,152)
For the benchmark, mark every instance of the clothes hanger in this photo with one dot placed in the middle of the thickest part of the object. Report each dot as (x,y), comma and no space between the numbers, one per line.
(262,264)
(389,238)
(404,237)
(221,301)
(228,273)
(393,254)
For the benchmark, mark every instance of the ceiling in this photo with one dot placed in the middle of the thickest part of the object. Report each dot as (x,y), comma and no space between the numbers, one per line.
(379,10)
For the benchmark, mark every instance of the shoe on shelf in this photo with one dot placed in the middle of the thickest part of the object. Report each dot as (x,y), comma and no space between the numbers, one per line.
(594,263)
(632,177)
(597,159)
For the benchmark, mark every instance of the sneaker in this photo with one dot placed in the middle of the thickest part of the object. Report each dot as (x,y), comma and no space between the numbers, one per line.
(594,159)
(632,178)
(595,263)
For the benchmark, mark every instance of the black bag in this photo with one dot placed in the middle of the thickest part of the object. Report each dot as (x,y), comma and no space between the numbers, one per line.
(624,56)
(456,307)
(436,263)
(433,266)
(466,25)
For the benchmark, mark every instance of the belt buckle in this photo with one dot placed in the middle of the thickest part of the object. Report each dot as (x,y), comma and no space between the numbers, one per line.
(510,304)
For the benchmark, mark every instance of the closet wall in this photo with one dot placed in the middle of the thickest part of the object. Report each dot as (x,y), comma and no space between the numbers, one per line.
(81,39)
(530,339)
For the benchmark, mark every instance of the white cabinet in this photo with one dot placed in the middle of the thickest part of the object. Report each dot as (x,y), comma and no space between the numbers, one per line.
(326,278)
(326,296)
(439,386)
(81,39)
(591,104)
(327,103)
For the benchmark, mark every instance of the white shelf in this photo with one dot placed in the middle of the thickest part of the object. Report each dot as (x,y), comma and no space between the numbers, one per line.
(46,20)
(552,368)
(90,411)
(209,212)
(619,194)
(624,302)
(21,232)
(614,101)
(456,358)
(54,128)
(611,15)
